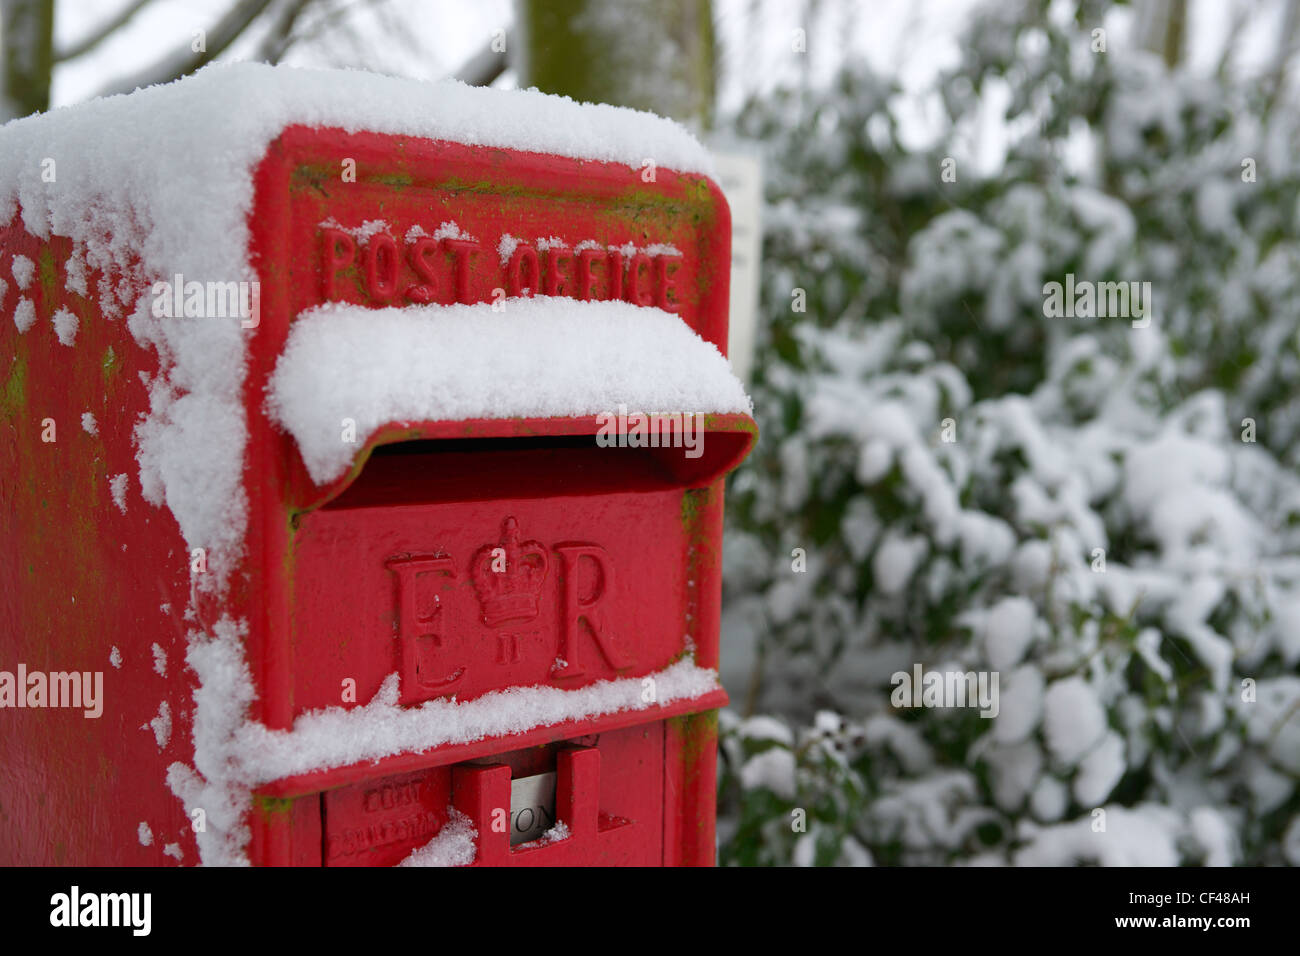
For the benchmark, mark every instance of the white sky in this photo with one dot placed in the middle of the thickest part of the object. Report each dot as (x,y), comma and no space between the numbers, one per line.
(910,40)
(429,38)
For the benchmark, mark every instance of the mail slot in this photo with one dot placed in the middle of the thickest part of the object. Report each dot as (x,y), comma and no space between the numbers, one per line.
(414,557)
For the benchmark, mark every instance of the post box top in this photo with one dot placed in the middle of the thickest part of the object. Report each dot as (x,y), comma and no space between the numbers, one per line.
(165,174)
(162,183)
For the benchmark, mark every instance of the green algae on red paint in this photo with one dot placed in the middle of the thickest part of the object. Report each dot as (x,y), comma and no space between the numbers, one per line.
(49,274)
(270,807)
(695,730)
(111,365)
(694,500)
(13,397)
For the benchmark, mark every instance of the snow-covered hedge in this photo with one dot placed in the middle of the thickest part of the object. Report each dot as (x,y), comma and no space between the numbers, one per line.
(1103,511)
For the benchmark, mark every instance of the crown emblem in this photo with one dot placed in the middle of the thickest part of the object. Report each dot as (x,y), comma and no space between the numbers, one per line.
(508,577)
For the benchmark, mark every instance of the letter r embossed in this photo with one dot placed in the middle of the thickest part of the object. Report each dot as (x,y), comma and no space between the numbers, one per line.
(580,612)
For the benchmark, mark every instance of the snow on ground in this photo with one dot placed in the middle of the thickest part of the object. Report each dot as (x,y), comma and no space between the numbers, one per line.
(432,362)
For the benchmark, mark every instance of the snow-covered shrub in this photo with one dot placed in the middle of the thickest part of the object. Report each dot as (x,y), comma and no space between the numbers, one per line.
(1103,511)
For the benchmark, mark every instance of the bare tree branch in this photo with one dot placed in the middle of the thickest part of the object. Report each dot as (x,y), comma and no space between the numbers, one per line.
(1282,57)
(98,36)
(281,36)
(1241,14)
(484,66)
(328,20)
(185,60)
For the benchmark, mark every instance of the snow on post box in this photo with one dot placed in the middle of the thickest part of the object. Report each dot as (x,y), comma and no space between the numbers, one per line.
(361,502)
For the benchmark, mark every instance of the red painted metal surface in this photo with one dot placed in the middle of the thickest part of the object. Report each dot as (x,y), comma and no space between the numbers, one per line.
(613,555)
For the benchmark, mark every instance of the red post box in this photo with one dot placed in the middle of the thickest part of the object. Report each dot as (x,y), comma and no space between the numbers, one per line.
(381,493)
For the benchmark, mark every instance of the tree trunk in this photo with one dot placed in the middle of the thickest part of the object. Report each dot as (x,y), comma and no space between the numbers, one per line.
(1162,29)
(28,50)
(656,55)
